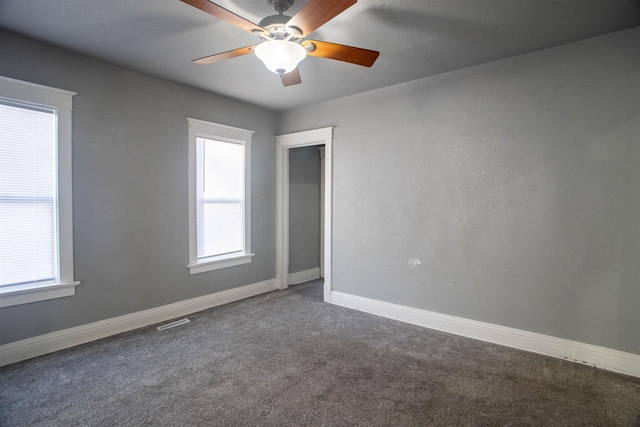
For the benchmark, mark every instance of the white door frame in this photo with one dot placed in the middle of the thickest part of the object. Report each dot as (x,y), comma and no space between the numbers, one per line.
(284,143)
(322,212)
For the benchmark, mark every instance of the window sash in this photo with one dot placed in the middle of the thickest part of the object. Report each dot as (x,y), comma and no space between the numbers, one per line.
(41,267)
(202,229)
(28,195)
(211,238)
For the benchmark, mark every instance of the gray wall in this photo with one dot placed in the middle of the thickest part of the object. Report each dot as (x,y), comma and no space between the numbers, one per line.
(130,189)
(304,209)
(515,183)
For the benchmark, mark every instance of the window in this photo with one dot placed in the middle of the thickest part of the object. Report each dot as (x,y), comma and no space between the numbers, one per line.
(36,241)
(219,196)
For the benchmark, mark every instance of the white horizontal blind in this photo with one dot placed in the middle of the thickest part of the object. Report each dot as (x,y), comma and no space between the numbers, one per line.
(27,194)
(219,197)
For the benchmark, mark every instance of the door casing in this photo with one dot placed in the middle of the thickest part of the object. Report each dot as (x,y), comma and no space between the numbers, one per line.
(284,143)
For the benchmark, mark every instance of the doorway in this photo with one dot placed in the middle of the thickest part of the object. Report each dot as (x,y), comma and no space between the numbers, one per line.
(284,143)
(305,219)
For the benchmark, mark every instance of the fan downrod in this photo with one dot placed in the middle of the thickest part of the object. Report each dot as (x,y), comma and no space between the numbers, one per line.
(281,5)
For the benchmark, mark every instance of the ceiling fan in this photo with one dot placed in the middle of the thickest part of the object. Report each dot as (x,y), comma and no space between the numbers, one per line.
(284,42)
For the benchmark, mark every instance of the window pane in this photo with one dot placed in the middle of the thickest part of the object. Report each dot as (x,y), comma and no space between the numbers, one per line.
(222,169)
(27,194)
(26,242)
(221,229)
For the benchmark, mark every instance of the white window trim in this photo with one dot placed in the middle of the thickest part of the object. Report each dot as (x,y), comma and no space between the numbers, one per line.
(200,128)
(61,101)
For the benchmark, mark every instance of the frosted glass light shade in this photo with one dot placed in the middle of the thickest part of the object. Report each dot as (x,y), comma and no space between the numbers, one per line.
(280,56)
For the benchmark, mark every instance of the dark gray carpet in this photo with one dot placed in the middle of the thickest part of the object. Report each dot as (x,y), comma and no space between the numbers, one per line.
(287,359)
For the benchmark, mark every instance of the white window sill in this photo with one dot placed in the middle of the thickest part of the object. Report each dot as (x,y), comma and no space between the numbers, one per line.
(24,294)
(216,263)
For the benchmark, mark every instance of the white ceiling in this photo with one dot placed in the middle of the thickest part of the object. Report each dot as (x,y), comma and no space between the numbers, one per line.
(416,38)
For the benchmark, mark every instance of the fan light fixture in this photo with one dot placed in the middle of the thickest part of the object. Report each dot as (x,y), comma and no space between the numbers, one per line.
(280,56)
(285,39)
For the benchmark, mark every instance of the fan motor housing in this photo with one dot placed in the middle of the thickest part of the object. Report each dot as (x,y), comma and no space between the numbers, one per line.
(277,27)
(274,21)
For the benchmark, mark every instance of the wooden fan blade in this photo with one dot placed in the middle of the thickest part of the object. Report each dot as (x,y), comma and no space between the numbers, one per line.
(225,15)
(224,55)
(292,78)
(316,13)
(340,52)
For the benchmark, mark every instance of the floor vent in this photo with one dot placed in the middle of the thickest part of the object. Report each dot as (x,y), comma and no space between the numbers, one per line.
(173,324)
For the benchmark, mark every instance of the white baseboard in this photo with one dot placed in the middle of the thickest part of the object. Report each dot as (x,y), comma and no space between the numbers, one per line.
(304,276)
(600,357)
(54,341)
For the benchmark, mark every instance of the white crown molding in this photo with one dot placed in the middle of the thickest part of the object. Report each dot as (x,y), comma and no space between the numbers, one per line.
(587,354)
(54,341)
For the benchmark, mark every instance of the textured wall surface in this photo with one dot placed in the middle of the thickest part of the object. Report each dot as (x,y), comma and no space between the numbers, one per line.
(130,189)
(304,209)
(507,192)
